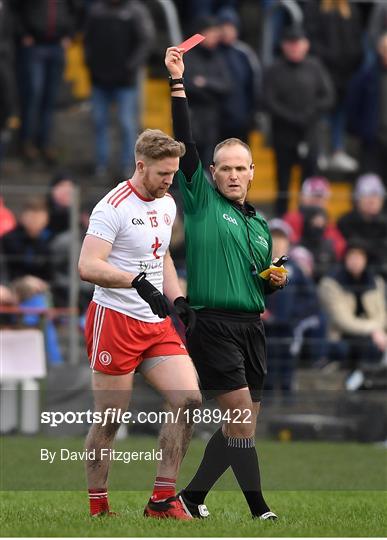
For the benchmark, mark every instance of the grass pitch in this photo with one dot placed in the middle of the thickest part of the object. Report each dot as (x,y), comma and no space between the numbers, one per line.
(317,489)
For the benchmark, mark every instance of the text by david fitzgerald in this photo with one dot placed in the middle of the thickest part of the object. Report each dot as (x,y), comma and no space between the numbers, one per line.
(109,454)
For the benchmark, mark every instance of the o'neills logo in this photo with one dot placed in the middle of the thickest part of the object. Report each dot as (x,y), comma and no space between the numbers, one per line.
(167,219)
(105,358)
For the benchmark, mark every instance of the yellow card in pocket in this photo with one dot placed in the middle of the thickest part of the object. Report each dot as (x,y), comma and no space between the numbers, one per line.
(265,273)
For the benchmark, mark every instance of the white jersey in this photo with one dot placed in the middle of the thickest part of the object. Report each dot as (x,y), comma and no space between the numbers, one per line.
(139,230)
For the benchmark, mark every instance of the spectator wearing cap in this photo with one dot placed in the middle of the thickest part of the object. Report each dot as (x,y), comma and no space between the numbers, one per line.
(240,105)
(336,36)
(354,300)
(207,84)
(367,221)
(315,192)
(288,319)
(367,109)
(297,90)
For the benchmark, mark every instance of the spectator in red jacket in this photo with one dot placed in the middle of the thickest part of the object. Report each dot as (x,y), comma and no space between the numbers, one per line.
(7,219)
(315,192)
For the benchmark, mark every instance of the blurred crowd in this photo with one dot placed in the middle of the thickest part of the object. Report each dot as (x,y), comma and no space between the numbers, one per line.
(319,97)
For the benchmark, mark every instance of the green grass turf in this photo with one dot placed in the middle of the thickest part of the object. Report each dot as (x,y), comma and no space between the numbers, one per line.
(301,513)
(318,489)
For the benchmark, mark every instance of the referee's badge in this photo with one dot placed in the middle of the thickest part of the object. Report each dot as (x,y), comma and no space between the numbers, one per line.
(261,240)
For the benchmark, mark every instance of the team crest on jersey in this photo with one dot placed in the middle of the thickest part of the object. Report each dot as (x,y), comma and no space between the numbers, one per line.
(105,358)
(167,219)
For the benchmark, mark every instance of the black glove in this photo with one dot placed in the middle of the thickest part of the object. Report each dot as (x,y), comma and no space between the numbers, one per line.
(148,292)
(186,313)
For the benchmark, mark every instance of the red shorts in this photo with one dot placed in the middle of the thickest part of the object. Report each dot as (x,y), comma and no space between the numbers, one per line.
(117,344)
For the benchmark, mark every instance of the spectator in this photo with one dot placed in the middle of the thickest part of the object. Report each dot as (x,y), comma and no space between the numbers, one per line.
(198,8)
(315,191)
(44,30)
(207,83)
(7,104)
(60,250)
(310,335)
(368,222)
(314,238)
(296,91)
(354,299)
(240,105)
(335,33)
(377,26)
(117,42)
(7,299)
(288,316)
(59,202)
(7,219)
(33,292)
(26,248)
(367,110)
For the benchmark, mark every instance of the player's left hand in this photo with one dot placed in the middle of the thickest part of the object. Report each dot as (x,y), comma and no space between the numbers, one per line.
(277,280)
(148,292)
(186,313)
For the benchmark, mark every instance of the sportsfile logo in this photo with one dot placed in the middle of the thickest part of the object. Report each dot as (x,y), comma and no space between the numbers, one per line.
(230,219)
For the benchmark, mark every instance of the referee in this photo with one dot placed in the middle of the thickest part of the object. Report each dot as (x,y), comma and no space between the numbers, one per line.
(227,245)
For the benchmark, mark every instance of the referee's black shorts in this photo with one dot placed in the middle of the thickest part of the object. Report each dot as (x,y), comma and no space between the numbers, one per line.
(228,349)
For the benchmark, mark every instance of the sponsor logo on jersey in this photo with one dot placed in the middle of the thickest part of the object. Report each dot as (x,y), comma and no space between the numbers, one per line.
(167,219)
(105,358)
(261,240)
(151,265)
(152,212)
(230,219)
(137,221)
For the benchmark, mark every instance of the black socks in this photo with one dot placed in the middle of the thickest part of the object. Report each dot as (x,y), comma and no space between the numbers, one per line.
(220,453)
(244,463)
(214,463)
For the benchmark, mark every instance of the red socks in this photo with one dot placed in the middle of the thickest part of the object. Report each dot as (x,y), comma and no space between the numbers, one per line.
(163,488)
(98,499)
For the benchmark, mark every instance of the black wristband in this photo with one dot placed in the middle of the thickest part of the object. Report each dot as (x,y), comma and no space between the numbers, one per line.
(172,81)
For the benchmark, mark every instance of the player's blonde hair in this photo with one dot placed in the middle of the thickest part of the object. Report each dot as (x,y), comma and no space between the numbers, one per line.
(154,144)
(231,142)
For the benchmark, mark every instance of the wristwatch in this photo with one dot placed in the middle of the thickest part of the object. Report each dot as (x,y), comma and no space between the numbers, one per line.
(285,284)
(172,81)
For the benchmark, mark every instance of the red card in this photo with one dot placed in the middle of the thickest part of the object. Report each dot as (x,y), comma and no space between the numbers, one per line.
(191,42)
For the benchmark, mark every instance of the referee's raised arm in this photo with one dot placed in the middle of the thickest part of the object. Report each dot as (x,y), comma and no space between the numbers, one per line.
(180,113)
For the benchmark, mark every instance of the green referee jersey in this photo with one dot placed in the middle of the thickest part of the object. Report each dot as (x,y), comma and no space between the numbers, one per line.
(219,253)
